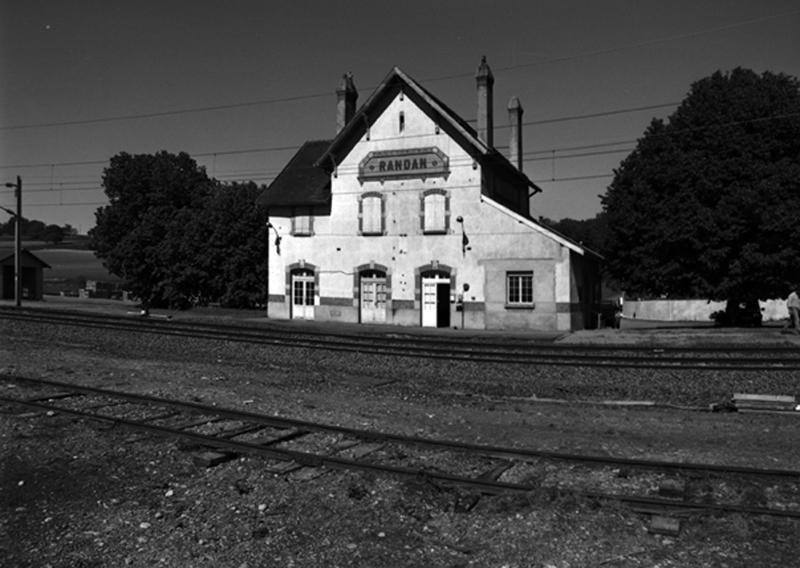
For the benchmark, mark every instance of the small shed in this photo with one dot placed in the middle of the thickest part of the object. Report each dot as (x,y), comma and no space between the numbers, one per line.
(32,285)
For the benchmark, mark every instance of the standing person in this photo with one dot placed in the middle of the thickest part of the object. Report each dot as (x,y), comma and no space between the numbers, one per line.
(619,303)
(793,304)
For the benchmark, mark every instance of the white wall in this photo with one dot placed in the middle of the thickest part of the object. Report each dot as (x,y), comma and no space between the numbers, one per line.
(693,310)
(498,241)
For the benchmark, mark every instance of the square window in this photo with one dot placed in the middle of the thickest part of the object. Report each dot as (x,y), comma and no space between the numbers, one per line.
(519,289)
(302,222)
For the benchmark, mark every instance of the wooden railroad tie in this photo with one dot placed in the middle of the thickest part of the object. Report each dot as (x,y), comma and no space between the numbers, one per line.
(745,402)
(667,526)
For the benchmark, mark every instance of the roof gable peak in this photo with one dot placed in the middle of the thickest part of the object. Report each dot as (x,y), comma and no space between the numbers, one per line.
(395,81)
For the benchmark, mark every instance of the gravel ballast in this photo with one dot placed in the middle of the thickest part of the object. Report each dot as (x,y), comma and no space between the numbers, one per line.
(73,493)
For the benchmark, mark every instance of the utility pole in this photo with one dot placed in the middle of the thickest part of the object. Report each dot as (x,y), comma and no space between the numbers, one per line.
(17,242)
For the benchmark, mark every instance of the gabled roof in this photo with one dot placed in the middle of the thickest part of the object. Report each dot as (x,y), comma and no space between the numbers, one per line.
(300,182)
(544,230)
(7,253)
(448,120)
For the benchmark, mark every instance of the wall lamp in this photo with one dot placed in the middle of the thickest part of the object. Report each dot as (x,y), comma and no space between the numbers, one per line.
(277,237)
(464,239)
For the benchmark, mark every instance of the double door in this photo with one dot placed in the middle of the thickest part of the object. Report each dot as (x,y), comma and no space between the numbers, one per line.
(373,299)
(435,301)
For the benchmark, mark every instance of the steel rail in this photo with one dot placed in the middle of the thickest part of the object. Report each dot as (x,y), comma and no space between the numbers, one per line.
(337,463)
(476,352)
(270,329)
(280,330)
(487,450)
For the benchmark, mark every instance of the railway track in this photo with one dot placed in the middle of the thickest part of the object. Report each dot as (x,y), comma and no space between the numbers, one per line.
(484,350)
(294,444)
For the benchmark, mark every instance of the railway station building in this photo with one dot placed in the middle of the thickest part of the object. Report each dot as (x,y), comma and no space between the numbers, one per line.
(410,216)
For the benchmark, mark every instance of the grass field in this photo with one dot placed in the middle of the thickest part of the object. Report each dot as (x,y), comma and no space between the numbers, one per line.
(73,264)
(70,269)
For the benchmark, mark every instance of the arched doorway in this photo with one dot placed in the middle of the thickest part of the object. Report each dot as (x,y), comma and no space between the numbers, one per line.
(435,300)
(373,295)
(302,293)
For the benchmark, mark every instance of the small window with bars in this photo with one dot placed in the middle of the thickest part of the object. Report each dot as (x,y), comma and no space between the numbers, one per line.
(519,289)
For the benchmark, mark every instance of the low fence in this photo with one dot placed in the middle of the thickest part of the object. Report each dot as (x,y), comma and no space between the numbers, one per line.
(77,287)
(693,310)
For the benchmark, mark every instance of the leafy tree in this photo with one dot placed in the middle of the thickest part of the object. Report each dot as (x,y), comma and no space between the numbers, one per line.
(8,227)
(589,232)
(707,204)
(231,233)
(178,238)
(52,234)
(34,229)
(140,234)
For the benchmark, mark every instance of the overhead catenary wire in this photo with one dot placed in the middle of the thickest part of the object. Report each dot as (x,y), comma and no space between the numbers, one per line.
(567,118)
(408,136)
(551,155)
(271,173)
(552,179)
(292,98)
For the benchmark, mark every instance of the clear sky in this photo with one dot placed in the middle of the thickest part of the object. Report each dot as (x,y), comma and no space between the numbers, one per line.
(240,84)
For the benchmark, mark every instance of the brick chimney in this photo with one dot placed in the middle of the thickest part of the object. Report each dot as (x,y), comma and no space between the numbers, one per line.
(485,81)
(346,97)
(515,141)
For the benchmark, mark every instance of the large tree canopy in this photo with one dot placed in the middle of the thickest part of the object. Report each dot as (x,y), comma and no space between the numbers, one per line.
(139,235)
(591,233)
(708,204)
(178,238)
(232,239)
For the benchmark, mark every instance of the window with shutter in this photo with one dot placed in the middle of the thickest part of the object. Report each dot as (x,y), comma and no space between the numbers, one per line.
(301,222)
(371,215)
(434,213)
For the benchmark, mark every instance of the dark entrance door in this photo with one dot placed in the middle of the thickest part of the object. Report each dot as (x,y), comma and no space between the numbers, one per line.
(443,305)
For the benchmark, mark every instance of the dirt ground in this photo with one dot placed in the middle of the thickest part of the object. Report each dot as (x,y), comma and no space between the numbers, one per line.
(75,494)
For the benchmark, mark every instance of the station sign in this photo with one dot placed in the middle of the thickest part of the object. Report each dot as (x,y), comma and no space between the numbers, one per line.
(412,163)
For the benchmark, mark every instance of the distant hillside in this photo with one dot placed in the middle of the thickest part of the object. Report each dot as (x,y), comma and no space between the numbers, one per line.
(70,269)
(73,264)
(73,242)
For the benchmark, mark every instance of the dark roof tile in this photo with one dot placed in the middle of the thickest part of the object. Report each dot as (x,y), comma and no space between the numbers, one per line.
(7,254)
(300,182)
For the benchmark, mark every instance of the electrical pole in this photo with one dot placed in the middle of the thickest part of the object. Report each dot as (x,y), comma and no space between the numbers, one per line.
(17,242)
